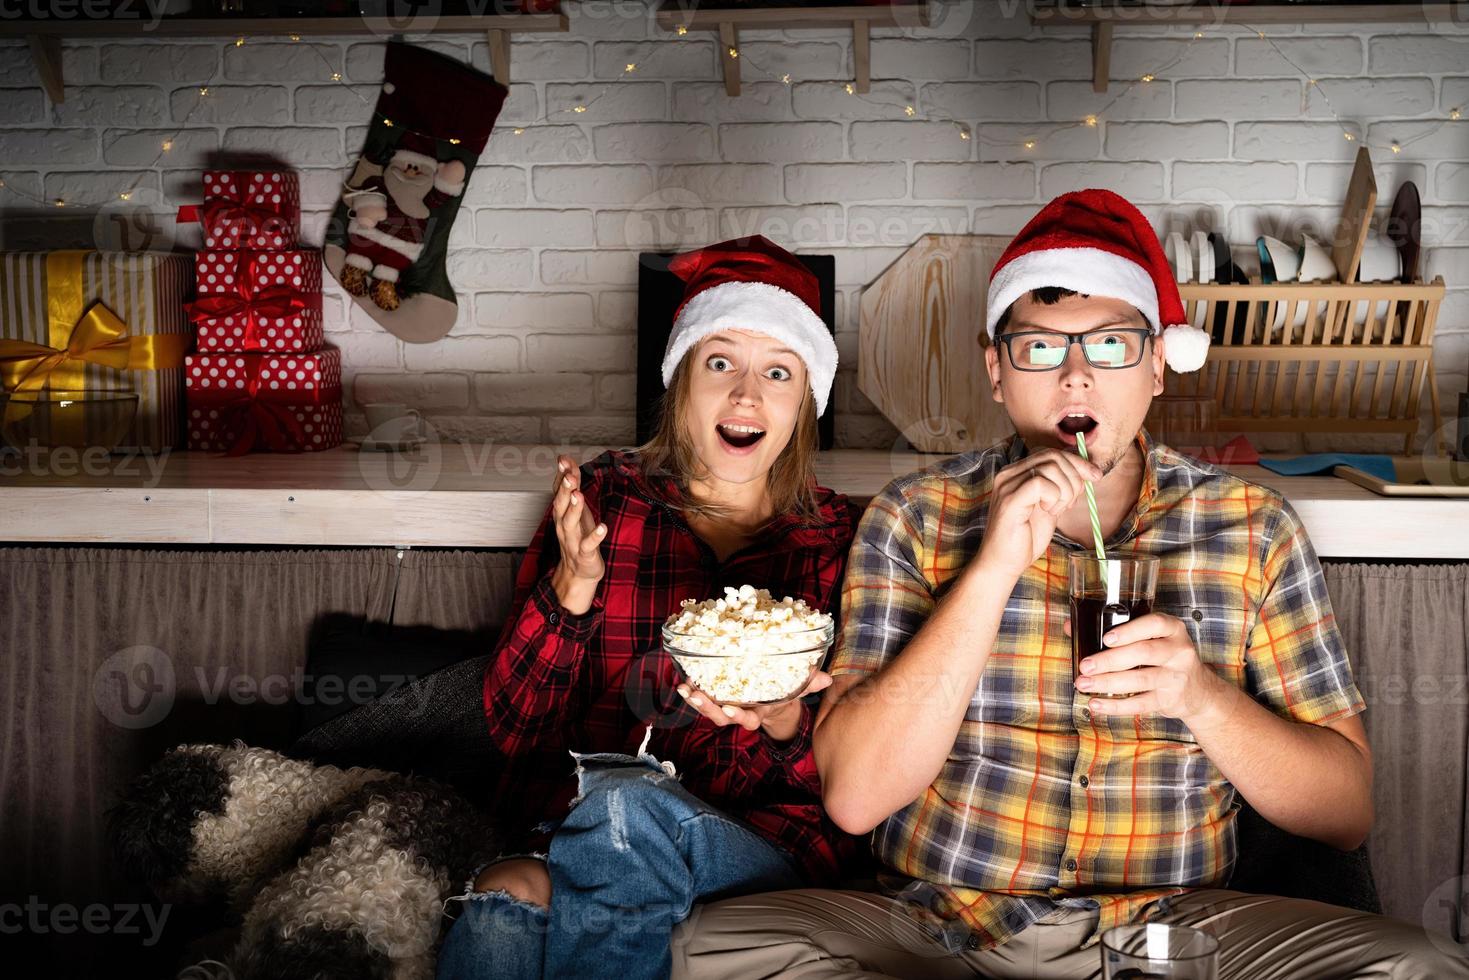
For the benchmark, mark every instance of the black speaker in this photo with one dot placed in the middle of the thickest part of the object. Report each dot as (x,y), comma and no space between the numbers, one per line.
(659,293)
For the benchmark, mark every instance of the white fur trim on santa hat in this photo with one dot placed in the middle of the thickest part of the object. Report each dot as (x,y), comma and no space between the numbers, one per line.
(1093,271)
(759,308)
(422,161)
(1185,347)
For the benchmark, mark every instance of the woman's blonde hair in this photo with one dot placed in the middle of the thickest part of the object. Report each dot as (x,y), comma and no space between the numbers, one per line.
(670,452)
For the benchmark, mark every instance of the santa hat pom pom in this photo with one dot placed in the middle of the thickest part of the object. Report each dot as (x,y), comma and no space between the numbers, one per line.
(1185,347)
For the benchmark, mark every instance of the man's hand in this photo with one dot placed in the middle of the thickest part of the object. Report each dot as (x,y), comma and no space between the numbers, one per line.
(1312,780)
(779,720)
(1152,658)
(1029,497)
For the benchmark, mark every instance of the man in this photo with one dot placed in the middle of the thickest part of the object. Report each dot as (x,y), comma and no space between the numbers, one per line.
(1018,813)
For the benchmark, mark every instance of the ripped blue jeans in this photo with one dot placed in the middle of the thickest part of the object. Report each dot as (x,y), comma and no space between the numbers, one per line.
(627,864)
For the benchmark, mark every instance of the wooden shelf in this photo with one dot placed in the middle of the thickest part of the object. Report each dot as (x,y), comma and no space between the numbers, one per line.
(482,496)
(728,24)
(1103,20)
(45,36)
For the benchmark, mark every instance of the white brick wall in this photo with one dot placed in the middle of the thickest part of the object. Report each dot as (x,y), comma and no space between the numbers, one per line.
(545,248)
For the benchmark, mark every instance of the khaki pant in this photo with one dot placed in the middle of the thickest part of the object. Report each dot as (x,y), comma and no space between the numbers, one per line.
(817,933)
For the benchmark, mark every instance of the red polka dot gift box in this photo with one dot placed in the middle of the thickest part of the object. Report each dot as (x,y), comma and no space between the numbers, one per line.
(250,402)
(246,209)
(258,301)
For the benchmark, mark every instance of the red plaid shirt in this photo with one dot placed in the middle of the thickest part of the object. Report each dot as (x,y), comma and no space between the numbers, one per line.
(595,682)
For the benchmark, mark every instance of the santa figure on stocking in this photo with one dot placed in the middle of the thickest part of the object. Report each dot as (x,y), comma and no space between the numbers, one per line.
(390,211)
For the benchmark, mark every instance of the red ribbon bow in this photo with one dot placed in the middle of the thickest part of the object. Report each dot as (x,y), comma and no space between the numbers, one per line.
(249,302)
(273,423)
(248,220)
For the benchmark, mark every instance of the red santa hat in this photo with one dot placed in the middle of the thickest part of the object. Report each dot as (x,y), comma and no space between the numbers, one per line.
(421,151)
(752,284)
(416,149)
(1095,242)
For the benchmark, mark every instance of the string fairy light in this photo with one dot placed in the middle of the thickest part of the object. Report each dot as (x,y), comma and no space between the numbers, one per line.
(909,108)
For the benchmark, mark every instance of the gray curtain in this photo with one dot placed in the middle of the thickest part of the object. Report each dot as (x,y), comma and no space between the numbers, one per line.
(1407,630)
(79,625)
(90,639)
(465,590)
(109,656)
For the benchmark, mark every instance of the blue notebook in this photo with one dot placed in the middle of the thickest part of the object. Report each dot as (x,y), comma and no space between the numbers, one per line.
(1379,466)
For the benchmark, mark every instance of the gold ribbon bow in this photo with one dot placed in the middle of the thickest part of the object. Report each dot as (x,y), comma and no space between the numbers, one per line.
(80,334)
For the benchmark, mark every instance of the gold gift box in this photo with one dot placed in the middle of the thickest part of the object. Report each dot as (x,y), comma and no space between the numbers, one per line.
(110,321)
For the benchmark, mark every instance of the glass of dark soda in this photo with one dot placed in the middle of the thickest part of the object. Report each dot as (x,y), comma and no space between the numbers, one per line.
(1106,592)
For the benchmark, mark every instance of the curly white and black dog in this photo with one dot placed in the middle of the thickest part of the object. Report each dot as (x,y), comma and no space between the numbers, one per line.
(334,872)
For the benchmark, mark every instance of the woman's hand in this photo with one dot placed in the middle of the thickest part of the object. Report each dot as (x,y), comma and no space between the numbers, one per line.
(780,721)
(580,536)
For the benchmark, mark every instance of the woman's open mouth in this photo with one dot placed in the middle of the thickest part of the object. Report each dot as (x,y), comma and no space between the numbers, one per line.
(1075,422)
(739,439)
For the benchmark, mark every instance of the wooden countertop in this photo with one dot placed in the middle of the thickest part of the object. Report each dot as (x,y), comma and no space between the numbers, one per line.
(481,496)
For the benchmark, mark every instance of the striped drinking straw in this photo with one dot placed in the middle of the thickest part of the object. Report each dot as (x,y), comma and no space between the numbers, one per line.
(1091,506)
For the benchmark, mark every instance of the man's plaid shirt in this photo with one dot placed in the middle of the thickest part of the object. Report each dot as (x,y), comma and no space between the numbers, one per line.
(1039,804)
(595,682)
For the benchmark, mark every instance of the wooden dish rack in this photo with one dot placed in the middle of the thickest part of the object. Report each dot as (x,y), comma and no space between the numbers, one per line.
(1317,357)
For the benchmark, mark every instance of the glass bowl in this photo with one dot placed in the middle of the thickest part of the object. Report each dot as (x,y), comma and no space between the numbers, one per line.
(752,669)
(78,418)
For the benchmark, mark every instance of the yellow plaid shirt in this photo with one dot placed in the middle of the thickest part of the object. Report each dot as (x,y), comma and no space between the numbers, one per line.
(1040,805)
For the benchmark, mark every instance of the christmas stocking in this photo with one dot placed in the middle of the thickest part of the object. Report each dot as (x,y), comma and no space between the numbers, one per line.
(388,238)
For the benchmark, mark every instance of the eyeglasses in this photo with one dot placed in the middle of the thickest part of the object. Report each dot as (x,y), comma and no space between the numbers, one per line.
(1045,350)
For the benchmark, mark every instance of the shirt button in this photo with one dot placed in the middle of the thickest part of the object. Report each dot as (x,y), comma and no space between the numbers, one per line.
(554,618)
(972,942)
(1085,782)
(1198,615)
(1071,864)
(1086,713)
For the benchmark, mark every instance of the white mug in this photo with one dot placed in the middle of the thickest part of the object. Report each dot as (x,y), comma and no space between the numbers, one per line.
(1179,257)
(393,422)
(1315,262)
(1381,261)
(1203,256)
(1204,271)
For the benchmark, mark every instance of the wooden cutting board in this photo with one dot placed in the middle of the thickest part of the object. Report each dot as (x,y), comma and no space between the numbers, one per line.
(1356,217)
(920,359)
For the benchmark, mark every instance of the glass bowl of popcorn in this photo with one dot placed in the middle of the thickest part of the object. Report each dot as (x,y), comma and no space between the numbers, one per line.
(748,648)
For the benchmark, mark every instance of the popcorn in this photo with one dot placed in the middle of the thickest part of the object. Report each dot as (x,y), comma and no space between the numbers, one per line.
(748,647)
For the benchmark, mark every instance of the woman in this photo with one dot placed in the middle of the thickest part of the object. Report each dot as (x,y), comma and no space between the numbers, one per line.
(723,495)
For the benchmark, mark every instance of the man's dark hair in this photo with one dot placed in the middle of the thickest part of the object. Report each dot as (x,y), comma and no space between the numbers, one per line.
(1046,296)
